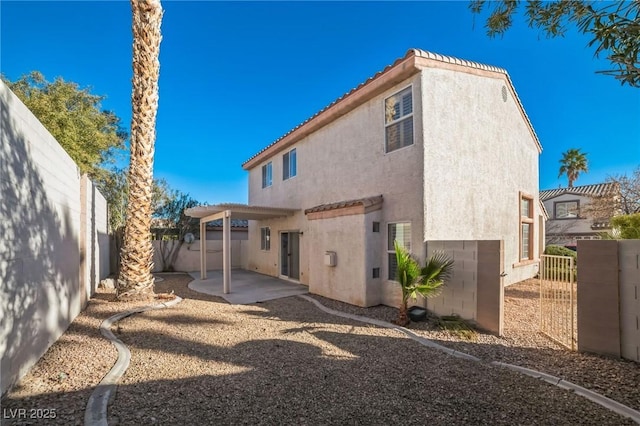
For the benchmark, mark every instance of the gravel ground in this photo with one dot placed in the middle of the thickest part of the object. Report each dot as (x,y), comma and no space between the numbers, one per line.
(286,362)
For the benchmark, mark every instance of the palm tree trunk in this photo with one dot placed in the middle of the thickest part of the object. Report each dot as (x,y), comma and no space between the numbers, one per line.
(135,279)
(403,319)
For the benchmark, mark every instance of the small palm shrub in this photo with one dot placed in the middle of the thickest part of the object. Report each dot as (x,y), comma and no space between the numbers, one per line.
(414,280)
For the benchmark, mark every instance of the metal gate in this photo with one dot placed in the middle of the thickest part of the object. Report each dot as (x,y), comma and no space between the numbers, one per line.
(558,307)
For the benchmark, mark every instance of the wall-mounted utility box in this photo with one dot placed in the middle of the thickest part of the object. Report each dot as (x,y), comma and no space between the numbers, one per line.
(330,258)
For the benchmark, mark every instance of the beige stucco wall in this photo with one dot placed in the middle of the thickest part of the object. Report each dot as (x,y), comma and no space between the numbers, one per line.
(460,180)
(344,235)
(344,160)
(479,154)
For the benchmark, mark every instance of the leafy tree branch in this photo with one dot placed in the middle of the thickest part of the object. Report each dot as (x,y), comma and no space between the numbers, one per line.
(614,27)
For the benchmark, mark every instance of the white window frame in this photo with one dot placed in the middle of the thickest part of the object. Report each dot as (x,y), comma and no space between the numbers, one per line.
(390,246)
(558,203)
(291,169)
(267,175)
(265,238)
(392,122)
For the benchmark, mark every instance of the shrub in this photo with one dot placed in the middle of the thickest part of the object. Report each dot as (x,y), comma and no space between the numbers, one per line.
(560,251)
(627,226)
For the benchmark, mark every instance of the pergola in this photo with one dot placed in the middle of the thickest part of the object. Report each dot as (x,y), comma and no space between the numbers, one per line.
(226,212)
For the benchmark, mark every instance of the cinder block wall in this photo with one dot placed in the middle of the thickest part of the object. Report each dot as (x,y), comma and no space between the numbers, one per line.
(459,294)
(629,289)
(47,248)
(609,298)
(475,290)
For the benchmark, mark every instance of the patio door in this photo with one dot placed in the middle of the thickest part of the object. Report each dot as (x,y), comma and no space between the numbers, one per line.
(290,255)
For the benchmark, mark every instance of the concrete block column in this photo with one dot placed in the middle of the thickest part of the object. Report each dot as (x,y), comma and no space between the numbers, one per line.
(598,297)
(490,290)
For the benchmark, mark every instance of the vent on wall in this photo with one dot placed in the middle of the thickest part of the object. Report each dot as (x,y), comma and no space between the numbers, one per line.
(504,93)
(376,273)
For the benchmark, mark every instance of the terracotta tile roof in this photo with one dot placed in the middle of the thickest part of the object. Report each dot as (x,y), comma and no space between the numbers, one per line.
(588,190)
(410,53)
(365,202)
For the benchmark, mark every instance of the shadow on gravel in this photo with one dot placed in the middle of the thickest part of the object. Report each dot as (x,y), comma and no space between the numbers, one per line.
(327,370)
(342,379)
(300,366)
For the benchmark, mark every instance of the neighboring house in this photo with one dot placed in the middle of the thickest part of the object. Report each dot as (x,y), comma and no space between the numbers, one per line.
(573,215)
(432,148)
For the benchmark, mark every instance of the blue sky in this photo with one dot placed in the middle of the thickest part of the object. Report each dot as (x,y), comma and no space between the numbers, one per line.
(235,76)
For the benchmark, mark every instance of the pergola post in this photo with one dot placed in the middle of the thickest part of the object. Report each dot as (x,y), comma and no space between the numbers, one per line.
(203,249)
(226,250)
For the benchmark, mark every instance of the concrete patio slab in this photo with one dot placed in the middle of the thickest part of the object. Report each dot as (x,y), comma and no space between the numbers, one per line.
(246,287)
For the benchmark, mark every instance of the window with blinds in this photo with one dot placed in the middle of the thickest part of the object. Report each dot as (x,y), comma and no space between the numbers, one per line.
(526,227)
(400,232)
(398,120)
(266,175)
(265,238)
(289,164)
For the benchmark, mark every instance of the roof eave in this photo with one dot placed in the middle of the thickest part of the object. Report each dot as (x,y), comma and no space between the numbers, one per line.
(413,62)
(388,78)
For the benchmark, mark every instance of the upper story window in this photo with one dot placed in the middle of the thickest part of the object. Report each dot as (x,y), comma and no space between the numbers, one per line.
(566,209)
(289,164)
(398,120)
(266,175)
(400,232)
(526,227)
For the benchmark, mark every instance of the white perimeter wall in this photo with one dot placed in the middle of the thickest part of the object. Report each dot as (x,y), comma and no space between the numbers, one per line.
(188,258)
(53,239)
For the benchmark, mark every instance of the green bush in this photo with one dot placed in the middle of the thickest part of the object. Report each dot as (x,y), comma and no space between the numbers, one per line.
(628,226)
(560,251)
(561,272)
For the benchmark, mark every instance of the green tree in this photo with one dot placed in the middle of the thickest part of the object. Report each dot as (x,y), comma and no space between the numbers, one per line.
(626,227)
(90,135)
(573,163)
(175,225)
(613,26)
(135,279)
(114,186)
(415,281)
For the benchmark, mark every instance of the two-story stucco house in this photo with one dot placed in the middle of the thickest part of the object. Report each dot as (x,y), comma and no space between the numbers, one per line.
(570,215)
(431,148)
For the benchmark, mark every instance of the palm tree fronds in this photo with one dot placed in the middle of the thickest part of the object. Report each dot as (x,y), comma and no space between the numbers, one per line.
(407,269)
(439,267)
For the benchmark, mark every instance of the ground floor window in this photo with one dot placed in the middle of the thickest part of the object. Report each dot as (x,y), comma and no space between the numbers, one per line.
(265,238)
(526,227)
(400,232)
